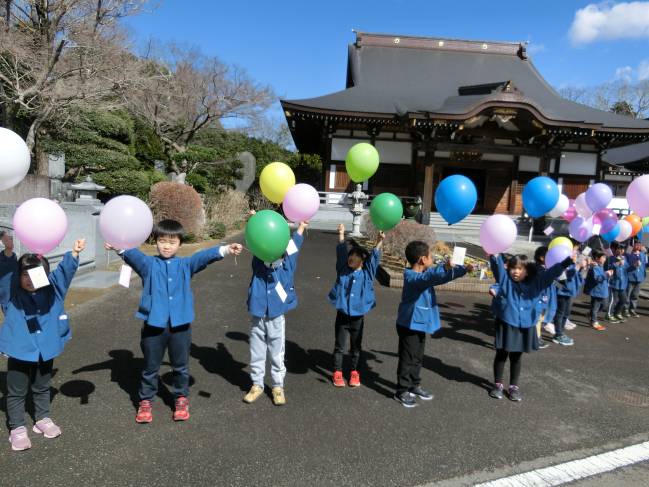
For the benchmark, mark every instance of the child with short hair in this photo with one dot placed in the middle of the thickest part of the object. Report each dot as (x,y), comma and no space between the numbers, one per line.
(271,294)
(35,331)
(596,287)
(568,287)
(353,296)
(517,313)
(637,273)
(618,283)
(548,300)
(418,315)
(167,310)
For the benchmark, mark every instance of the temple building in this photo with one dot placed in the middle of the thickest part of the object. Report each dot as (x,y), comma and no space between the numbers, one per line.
(435,107)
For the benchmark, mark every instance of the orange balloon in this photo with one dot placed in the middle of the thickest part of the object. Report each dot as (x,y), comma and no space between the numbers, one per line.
(636,223)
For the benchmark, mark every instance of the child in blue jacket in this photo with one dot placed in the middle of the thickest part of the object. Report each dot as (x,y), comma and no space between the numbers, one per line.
(568,288)
(596,287)
(271,294)
(637,273)
(618,284)
(353,297)
(418,315)
(517,312)
(167,310)
(35,330)
(547,301)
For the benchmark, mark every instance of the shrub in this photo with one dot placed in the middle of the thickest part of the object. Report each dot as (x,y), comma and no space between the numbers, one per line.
(405,232)
(215,230)
(178,202)
(257,201)
(127,181)
(228,208)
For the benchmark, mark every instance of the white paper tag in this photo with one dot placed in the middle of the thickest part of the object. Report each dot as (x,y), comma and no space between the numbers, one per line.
(458,256)
(563,276)
(597,228)
(549,230)
(63,317)
(280,291)
(38,277)
(587,251)
(291,248)
(125,275)
(483,274)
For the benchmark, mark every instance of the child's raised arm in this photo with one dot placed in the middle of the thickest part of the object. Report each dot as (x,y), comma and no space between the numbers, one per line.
(547,277)
(135,258)
(62,276)
(201,259)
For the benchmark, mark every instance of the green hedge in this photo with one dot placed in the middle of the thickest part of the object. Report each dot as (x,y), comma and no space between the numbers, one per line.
(126,181)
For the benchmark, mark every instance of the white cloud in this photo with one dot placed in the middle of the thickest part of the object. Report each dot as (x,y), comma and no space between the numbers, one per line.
(643,70)
(624,73)
(606,21)
(533,48)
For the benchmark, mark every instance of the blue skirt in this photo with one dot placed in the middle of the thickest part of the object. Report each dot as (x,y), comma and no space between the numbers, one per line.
(513,339)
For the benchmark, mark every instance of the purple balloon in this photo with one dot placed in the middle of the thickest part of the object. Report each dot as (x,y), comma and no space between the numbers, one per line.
(637,194)
(598,196)
(581,229)
(40,225)
(557,254)
(125,222)
(570,214)
(497,234)
(606,218)
(301,202)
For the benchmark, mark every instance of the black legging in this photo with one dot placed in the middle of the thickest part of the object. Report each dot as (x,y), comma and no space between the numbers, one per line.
(515,363)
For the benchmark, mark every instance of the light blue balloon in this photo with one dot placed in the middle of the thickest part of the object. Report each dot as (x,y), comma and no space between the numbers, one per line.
(540,195)
(455,198)
(610,236)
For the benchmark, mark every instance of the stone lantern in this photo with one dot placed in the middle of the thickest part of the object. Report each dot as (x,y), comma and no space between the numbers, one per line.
(357,208)
(87,191)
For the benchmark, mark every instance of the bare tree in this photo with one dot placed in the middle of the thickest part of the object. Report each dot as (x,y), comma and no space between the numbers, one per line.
(620,96)
(183,91)
(55,54)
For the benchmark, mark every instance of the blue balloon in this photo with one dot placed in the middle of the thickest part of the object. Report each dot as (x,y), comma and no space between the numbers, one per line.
(455,198)
(540,195)
(610,236)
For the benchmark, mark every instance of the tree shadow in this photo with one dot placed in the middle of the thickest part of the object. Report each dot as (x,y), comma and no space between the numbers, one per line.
(220,361)
(479,319)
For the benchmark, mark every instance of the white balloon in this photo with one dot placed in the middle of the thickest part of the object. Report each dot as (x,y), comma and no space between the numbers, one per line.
(625,231)
(561,207)
(14,159)
(582,207)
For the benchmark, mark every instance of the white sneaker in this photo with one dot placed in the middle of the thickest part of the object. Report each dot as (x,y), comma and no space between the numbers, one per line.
(570,325)
(549,327)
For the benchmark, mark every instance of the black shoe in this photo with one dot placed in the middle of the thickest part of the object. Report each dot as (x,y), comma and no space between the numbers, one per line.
(407,399)
(497,391)
(421,393)
(514,394)
(612,319)
(543,344)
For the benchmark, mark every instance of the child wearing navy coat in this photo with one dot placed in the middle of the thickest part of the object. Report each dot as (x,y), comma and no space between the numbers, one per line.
(568,288)
(353,297)
(418,315)
(517,312)
(596,286)
(547,301)
(618,284)
(271,294)
(637,272)
(167,310)
(34,332)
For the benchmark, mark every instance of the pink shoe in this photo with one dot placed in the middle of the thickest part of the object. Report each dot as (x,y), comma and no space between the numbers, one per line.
(47,427)
(19,439)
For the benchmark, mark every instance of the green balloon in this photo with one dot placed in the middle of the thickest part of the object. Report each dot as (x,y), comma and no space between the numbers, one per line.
(645,221)
(361,162)
(386,211)
(267,235)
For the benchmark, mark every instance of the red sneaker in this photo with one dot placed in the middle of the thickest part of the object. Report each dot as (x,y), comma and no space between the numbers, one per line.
(144,412)
(354,379)
(338,379)
(182,409)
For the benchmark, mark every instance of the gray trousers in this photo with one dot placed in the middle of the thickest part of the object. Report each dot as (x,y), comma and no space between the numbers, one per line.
(267,338)
(632,295)
(21,376)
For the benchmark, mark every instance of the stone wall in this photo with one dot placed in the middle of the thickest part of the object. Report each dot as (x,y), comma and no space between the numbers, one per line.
(32,186)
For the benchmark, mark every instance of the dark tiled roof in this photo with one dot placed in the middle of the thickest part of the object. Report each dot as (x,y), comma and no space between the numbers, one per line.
(627,155)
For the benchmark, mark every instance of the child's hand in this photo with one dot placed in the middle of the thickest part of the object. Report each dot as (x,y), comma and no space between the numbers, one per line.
(447,265)
(78,247)
(381,236)
(108,246)
(235,248)
(610,272)
(469,268)
(251,213)
(492,292)
(341,232)
(8,242)
(302,227)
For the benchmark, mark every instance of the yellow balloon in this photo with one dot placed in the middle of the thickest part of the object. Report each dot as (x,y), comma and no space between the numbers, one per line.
(275,180)
(561,241)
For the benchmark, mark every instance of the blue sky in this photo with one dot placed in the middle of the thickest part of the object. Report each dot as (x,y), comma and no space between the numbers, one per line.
(299,47)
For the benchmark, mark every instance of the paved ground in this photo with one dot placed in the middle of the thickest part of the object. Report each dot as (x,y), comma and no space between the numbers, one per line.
(575,399)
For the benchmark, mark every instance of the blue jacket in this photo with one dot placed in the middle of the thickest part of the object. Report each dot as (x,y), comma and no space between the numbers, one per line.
(620,279)
(264,292)
(517,303)
(166,285)
(36,325)
(7,268)
(548,300)
(353,292)
(418,307)
(571,285)
(635,273)
(596,282)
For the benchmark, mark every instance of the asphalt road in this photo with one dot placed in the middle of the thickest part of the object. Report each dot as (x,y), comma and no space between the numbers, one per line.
(582,397)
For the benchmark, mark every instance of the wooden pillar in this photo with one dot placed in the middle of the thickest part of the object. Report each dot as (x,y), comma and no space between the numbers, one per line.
(544,166)
(513,187)
(429,170)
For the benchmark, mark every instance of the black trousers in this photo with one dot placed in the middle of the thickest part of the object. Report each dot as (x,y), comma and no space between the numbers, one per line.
(21,377)
(352,326)
(515,364)
(617,302)
(596,304)
(564,306)
(412,344)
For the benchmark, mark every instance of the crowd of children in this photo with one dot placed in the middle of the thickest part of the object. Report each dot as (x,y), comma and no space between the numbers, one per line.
(527,298)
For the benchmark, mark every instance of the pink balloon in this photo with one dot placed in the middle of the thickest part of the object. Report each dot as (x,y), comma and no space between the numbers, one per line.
(125,222)
(40,225)
(301,202)
(606,218)
(581,229)
(570,214)
(582,206)
(497,234)
(637,194)
(625,231)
